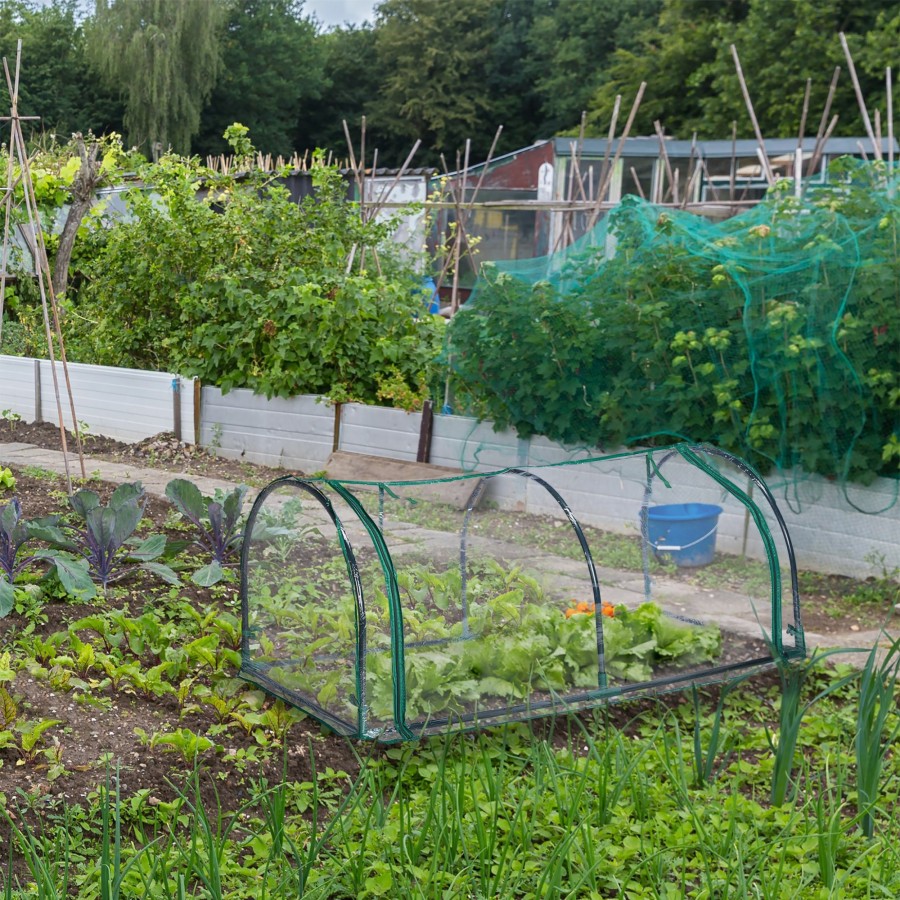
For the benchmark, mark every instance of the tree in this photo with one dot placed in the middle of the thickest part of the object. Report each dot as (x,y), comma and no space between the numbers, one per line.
(271,69)
(686,60)
(569,49)
(435,59)
(55,83)
(163,56)
(673,55)
(782,43)
(350,84)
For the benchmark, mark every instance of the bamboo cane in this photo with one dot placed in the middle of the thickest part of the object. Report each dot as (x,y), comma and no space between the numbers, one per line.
(770,176)
(859,97)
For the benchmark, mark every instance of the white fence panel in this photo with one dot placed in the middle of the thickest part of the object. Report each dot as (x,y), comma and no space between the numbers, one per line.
(380,431)
(293,433)
(17,386)
(125,404)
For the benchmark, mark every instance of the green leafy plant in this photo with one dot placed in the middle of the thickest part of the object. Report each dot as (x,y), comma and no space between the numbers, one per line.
(217,521)
(308,297)
(763,334)
(875,732)
(105,545)
(15,532)
(7,479)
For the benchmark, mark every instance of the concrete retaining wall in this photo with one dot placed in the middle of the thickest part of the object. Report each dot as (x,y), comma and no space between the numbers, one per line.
(125,404)
(840,529)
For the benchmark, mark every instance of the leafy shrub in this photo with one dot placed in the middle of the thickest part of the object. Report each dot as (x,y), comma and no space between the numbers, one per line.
(242,287)
(774,334)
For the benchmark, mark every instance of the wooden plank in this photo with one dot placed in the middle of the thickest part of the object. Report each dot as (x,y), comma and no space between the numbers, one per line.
(345,466)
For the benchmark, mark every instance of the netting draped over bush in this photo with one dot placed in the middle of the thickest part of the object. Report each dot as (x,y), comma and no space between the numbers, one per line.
(774,334)
(395,610)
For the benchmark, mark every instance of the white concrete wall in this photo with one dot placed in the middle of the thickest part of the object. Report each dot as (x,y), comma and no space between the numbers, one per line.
(125,404)
(17,386)
(379,431)
(293,433)
(828,522)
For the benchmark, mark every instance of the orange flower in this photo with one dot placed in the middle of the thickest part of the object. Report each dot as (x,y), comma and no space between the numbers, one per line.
(581,607)
(609,610)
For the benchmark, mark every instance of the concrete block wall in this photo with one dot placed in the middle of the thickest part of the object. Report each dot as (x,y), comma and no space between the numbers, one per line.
(289,433)
(843,529)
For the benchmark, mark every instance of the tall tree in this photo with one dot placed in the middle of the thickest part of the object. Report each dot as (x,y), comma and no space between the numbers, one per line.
(435,63)
(163,56)
(569,49)
(55,82)
(686,60)
(271,69)
(673,55)
(782,43)
(350,85)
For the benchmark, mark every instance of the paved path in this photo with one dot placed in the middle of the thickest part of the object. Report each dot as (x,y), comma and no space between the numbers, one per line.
(153,480)
(561,577)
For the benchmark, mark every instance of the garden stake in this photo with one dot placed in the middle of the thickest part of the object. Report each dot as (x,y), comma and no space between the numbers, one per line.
(42,266)
(767,169)
(859,97)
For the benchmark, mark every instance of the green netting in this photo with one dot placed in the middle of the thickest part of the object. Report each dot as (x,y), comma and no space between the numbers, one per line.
(774,334)
(399,609)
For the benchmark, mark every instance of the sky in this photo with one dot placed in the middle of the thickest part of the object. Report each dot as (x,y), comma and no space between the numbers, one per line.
(338,12)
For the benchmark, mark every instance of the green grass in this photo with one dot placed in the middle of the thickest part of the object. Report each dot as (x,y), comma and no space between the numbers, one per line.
(582,809)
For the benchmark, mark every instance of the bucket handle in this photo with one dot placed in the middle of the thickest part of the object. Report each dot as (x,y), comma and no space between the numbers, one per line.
(699,540)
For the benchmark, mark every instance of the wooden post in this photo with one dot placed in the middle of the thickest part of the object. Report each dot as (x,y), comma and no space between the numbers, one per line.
(425,429)
(336,437)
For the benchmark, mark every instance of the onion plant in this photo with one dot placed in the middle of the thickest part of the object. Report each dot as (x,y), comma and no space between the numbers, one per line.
(877,725)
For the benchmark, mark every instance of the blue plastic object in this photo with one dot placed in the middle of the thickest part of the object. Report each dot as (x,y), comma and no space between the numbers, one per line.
(684,532)
(430,292)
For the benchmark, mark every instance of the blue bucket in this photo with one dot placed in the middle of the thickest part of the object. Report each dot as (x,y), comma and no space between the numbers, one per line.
(684,532)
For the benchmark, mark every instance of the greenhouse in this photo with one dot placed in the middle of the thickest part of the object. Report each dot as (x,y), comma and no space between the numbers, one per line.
(396,610)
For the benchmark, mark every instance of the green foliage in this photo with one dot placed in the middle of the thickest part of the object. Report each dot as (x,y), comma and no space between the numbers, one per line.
(55,83)
(877,727)
(685,57)
(163,58)
(514,643)
(441,95)
(217,522)
(271,69)
(245,288)
(772,334)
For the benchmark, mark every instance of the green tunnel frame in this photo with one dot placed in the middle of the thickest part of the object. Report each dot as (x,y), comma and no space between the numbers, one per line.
(403,729)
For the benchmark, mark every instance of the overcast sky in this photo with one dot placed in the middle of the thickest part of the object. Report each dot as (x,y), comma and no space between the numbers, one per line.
(338,12)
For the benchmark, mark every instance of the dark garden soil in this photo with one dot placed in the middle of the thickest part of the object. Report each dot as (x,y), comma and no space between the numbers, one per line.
(162,451)
(97,725)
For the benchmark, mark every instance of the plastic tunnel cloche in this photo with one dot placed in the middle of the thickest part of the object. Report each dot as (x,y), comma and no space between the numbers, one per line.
(391,611)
